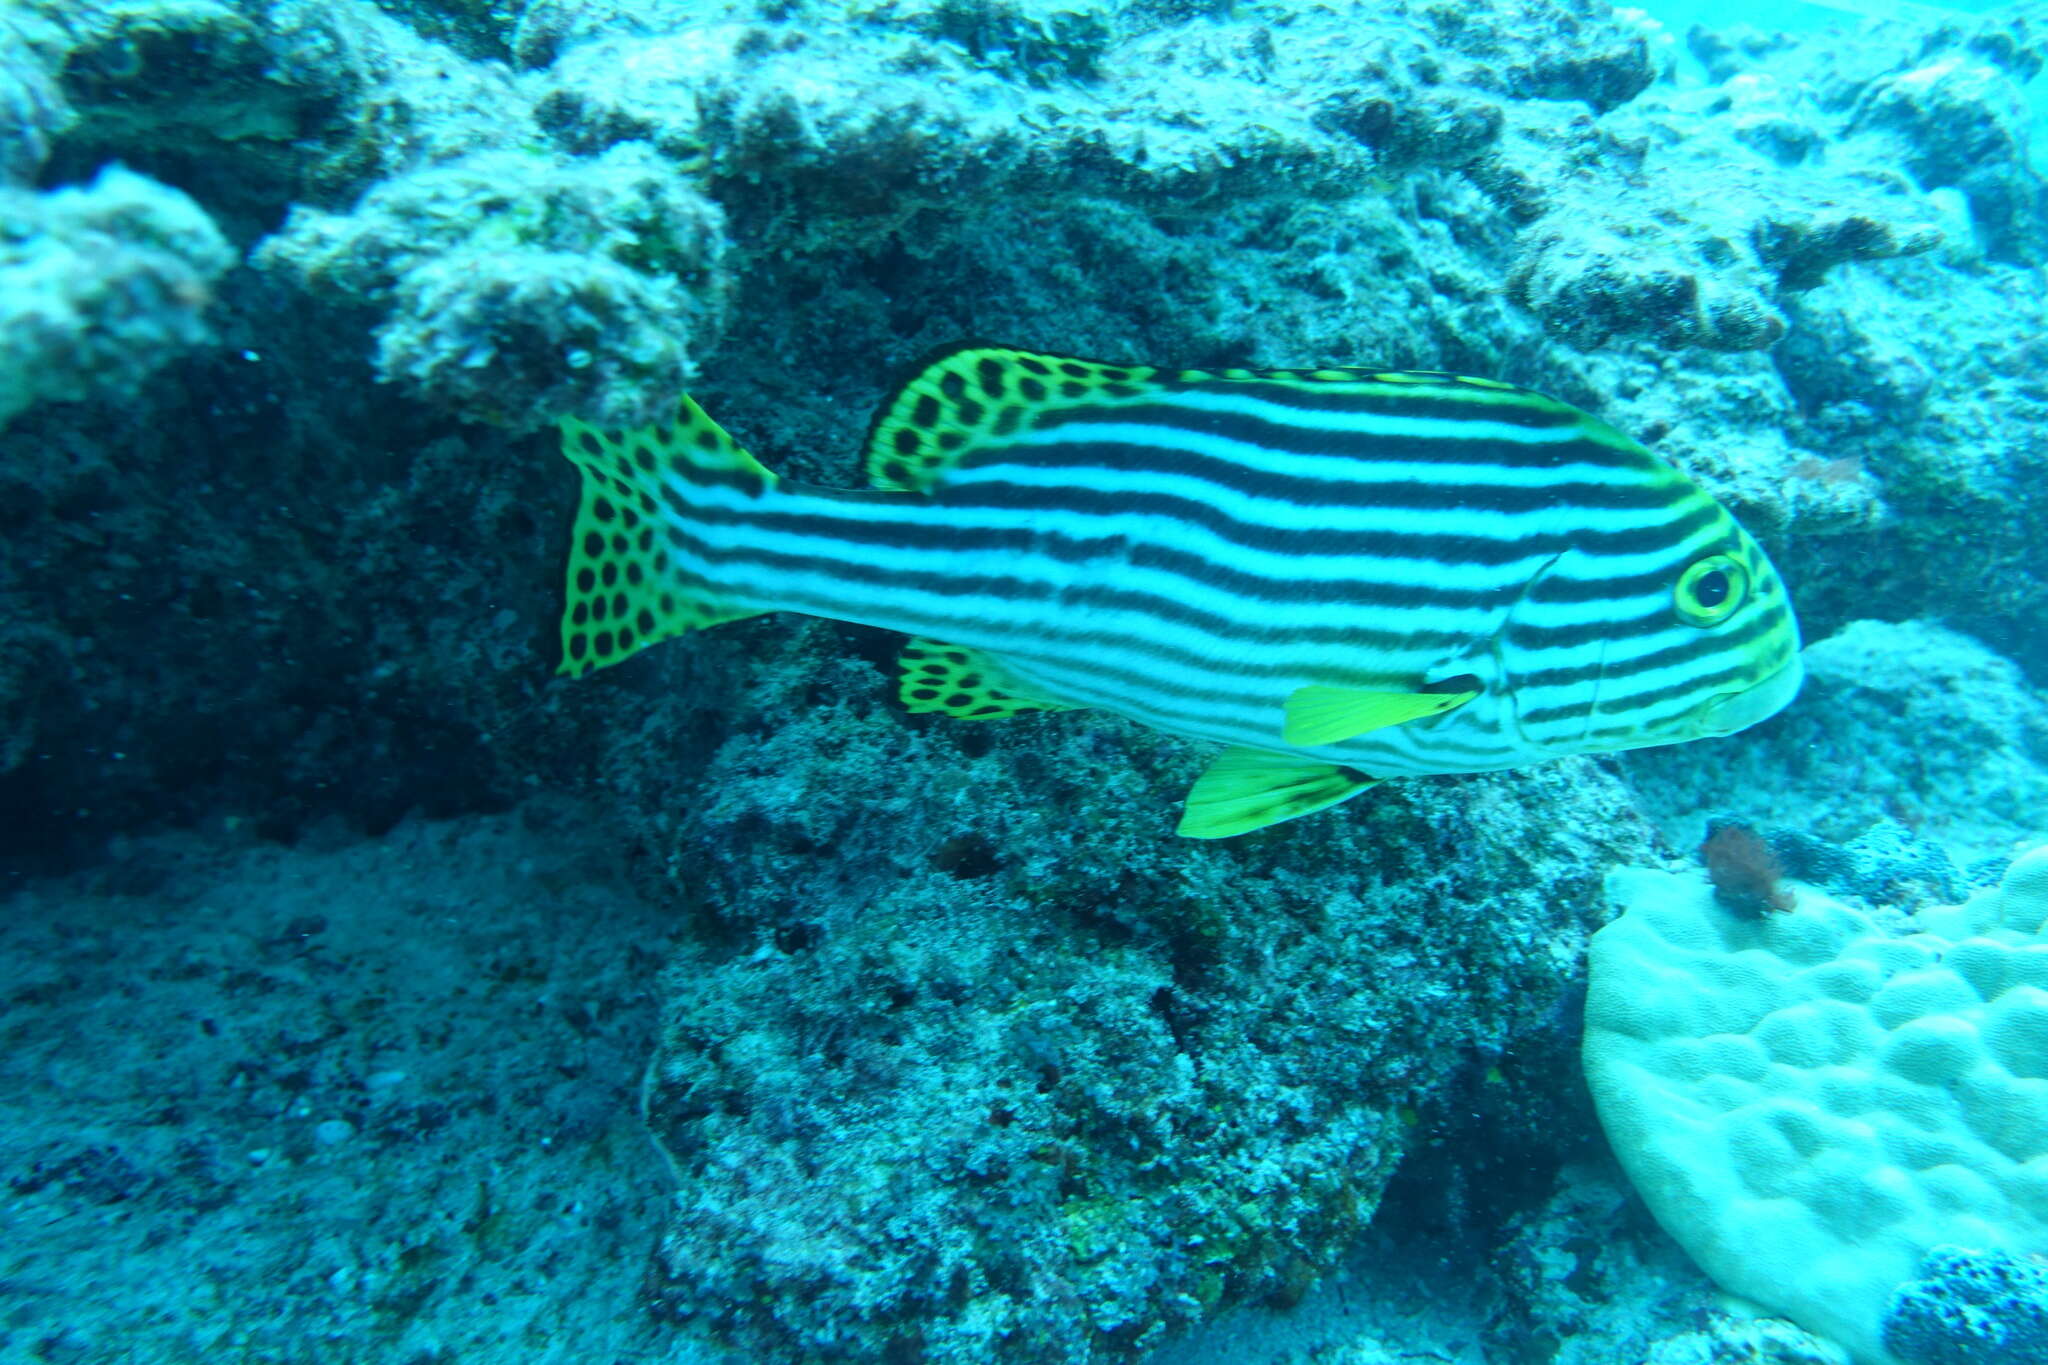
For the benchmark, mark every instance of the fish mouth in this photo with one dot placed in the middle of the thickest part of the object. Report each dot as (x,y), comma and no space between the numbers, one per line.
(1732,711)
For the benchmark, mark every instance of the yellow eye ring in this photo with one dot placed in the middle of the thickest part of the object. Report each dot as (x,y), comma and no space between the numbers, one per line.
(1711,590)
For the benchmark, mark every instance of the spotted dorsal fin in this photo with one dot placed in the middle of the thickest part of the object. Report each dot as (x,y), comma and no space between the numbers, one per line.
(973,394)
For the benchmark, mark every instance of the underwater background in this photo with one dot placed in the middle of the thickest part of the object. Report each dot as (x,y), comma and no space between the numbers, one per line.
(369,994)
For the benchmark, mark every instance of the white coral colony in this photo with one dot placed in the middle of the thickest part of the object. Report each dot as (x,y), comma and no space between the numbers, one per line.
(1809,1104)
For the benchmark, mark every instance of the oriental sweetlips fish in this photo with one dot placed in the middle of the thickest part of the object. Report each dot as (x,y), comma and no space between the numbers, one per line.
(1343,574)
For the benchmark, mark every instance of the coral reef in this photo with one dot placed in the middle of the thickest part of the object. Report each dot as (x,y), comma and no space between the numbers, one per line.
(1134,180)
(1902,425)
(1887,864)
(1020,1086)
(1713,238)
(1585,1274)
(354,1094)
(521,288)
(1703,248)
(253,104)
(909,107)
(1585,1282)
(102,285)
(32,109)
(1905,725)
(1971,1307)
(962,1057)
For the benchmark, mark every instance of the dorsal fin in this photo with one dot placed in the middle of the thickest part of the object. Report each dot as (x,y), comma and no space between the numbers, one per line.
(969,395)
(974,393)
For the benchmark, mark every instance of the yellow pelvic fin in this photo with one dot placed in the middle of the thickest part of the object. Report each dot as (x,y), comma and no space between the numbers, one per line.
(1318,715)
(964,683)
(1248,789)
(975,395)
(624,593)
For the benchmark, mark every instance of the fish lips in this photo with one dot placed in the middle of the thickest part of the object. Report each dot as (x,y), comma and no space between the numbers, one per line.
(1732,711)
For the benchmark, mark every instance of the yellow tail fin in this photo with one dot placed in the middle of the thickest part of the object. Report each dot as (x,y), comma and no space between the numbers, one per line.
(625,590)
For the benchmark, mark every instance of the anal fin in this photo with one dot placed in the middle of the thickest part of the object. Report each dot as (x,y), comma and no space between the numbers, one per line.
(1248,789)
(964,683)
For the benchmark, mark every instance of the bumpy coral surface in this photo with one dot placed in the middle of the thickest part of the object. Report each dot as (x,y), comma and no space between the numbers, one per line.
(521,288)
(1811,1104)
(101,285)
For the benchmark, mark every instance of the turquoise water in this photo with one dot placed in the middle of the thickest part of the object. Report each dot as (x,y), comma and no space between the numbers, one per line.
(1814,16)
(1349,869)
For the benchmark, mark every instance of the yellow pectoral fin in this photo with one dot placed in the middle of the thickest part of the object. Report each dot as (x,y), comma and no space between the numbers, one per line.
(1248,789)
(1325,715)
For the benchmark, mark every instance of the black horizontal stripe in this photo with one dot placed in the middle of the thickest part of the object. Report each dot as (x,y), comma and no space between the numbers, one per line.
(1368,595)
(1706,685)
(1245,714)
(1169,610)
(1761,623)
(1308,496)
(1252,589)
(1517,407)
(1579,590)
(1533,637)
(933,534)
(1138,679)
(1445,547)
(1248,629)
(1657,617)
(1309,440)
(1133,682)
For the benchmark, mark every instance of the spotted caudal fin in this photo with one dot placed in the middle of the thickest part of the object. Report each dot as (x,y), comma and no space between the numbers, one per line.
(625,590)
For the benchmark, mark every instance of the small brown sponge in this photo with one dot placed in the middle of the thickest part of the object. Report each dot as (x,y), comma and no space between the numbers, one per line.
(1809,1103)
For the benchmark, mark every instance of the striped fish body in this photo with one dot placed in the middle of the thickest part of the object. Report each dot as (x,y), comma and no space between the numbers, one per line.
(1344,575)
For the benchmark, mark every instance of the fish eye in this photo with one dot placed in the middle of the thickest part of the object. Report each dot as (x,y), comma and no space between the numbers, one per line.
(1710,590)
